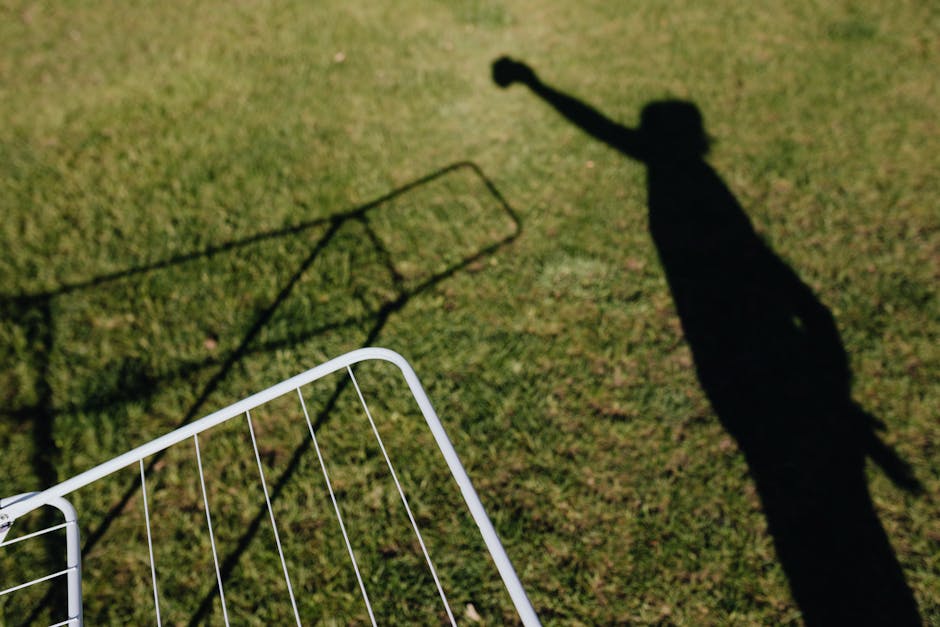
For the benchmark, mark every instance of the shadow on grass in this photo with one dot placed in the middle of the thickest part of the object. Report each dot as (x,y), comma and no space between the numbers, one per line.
(35,312)
(769,357)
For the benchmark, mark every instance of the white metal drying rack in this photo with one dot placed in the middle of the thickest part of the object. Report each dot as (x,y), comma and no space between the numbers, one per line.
(15,507)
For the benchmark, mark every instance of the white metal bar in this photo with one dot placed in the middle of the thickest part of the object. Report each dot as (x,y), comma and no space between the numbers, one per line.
(153,565)
(70,621)
(471,498)
(41,532)
(215,555)
(34,582)
(339,516)
(277,537)
(73,559)
(401,493)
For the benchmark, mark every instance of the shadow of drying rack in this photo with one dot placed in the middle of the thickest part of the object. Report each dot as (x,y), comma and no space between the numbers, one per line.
(34,312)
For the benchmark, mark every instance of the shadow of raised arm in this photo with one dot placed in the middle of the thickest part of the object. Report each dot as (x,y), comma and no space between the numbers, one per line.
(507,71)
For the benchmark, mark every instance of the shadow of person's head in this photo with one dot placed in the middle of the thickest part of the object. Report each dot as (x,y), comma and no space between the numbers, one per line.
(674,128)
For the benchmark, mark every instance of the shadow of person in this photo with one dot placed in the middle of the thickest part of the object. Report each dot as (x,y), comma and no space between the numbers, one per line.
(769,357)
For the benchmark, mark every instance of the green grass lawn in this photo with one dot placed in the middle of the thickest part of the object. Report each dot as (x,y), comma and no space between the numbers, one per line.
(200,199)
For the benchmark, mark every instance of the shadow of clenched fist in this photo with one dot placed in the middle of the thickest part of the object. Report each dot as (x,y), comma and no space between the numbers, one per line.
(507,71)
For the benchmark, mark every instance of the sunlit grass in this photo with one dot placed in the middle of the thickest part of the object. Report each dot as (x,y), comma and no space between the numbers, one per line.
(162,139)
